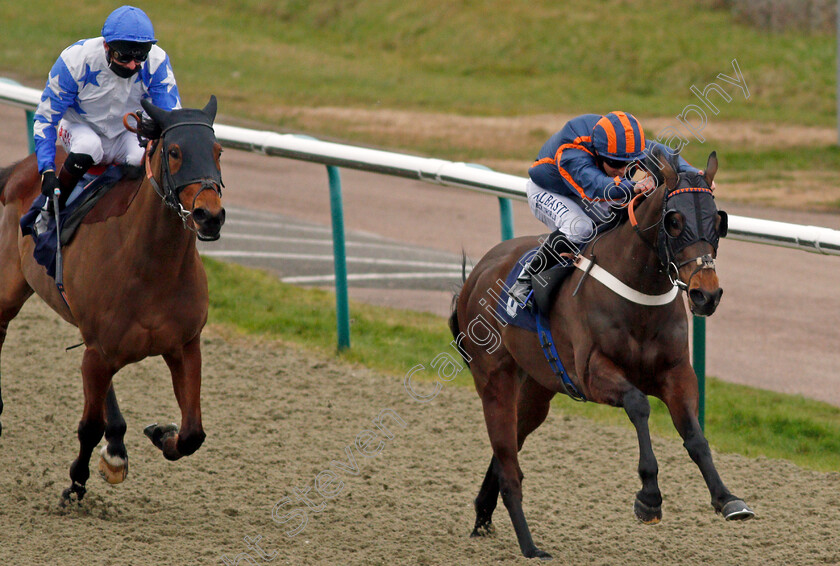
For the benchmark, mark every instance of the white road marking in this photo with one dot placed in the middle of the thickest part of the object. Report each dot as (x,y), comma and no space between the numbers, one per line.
(279,224)
(371,277)
(313,257)
(264,214)
(282,239)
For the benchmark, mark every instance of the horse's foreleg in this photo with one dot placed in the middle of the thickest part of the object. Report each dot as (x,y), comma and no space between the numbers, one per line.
(648,505)
(499,399)
(186,381)
(113,458)
(682,399)
(609,386)
(96,376)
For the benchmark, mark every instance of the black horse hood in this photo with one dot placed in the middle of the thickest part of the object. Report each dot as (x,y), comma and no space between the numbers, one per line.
(192,131)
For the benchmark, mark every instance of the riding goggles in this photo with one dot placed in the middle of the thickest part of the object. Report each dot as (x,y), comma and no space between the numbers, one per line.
(615,163)
(129,56)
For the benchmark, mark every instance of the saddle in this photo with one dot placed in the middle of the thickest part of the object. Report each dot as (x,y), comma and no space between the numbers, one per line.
(546,285)
(96,203)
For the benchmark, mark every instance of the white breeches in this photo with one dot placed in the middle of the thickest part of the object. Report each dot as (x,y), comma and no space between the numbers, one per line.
(80,138)
(563,213)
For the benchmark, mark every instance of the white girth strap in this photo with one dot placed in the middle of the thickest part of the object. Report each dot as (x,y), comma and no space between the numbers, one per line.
(620,288)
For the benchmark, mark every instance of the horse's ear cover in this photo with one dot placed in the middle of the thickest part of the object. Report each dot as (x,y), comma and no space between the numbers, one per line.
(157,114)
(724,223)
(210,108)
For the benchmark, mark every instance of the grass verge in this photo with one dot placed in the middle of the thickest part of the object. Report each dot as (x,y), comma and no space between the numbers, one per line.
(476,58)
(739,419)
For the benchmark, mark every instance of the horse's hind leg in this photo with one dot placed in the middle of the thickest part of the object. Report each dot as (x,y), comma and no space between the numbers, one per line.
(486,500)
(96,376)
(682,399)
(113,458)
(499,398)
(186,380)
(534,403)
(14,291)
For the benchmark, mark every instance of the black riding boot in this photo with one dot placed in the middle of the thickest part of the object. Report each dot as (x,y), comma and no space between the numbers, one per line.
(74,168)
(545,258)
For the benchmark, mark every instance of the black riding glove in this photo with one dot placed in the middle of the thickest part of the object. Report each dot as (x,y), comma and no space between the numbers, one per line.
(49,183)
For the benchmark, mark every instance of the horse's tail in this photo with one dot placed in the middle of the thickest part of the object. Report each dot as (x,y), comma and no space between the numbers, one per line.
(454,327)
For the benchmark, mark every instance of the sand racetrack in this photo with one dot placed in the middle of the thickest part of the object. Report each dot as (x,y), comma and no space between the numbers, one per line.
(276,417)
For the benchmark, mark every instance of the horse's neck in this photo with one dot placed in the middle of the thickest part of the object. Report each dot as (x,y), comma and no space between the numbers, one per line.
(157,229)
(631,256)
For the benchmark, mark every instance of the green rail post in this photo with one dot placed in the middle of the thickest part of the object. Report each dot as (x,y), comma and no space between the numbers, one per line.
(506,215)
(699,362)
(342,309)
(30,117)
(505,208)
(30,128)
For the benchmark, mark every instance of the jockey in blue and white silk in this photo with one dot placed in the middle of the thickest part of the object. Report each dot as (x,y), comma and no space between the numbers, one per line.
(92,85)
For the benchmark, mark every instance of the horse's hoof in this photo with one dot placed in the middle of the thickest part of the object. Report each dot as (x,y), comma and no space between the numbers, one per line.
(541,554)
(113,469)
(67,495)
(737,510)
(484,530)
(157,433)
(646,514)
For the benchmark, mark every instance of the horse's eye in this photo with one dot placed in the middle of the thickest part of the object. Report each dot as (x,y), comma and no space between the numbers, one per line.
(174,153)
(674,224)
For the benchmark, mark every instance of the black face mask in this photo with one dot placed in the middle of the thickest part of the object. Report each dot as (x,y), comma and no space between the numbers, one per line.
(693,199)
(122,72)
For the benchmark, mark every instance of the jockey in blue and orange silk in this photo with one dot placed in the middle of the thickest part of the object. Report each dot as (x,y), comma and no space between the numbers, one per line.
(91,86)
(580,173)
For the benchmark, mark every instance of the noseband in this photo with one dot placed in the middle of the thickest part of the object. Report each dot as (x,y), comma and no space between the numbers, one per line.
(170,188)
(665,250)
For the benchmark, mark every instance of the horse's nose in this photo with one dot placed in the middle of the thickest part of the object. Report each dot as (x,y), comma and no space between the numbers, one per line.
(208,224)
(705,302)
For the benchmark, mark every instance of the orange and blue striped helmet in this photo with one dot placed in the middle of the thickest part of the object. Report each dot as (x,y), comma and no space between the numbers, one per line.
(619,136)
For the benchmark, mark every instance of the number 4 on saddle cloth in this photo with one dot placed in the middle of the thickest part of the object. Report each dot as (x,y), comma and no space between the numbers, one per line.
(39,221)
(534,317)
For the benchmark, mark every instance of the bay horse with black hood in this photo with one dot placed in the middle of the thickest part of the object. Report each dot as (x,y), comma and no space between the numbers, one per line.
(618,343)
(135,286)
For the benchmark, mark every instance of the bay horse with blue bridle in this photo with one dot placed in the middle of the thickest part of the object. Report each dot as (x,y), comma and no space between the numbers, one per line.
(620,333)
(134,284)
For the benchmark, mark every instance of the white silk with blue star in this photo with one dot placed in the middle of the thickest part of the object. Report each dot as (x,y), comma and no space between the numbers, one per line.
(81,88)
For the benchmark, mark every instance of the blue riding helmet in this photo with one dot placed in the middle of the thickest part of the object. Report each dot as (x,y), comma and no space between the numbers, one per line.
(128,23)
(618,136)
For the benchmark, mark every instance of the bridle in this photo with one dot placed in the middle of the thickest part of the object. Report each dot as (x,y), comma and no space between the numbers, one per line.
(665,244)
(169,189)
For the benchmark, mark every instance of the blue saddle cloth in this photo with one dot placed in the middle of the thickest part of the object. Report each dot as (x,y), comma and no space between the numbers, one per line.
(532,320)
(70,217)
(511,312)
